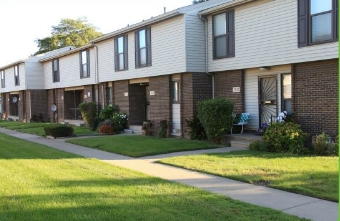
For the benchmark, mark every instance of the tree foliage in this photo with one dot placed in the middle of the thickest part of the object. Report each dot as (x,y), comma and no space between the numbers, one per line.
(198,1)
(68,32)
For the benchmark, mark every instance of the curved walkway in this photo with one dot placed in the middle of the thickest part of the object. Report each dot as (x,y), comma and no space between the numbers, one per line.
(294,204)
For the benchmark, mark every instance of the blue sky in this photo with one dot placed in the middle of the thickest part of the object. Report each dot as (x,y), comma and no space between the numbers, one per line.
(22,21)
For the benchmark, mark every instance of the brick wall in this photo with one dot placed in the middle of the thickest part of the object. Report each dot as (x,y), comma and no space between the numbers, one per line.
(194,87)
(119,88)
(137,104)
(160,105)
(315,96)
(60,104)
(89,90)
(39,105)
(4,105)
(224,83)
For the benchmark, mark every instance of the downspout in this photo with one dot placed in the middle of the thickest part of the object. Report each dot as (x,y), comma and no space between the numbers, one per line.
(96,75)
(206,55)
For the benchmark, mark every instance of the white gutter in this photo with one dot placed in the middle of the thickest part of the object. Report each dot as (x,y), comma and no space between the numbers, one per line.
(206,55)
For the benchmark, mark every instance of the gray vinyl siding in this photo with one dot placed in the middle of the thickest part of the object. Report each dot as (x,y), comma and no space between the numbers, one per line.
(69,68)
(195,44)
(266,35)
(167,52)
(34,75)
(252,91)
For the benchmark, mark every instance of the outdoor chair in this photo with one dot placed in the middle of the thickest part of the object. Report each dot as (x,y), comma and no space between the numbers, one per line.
(244,120)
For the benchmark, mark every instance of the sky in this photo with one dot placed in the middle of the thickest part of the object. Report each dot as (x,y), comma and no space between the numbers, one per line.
(24,21)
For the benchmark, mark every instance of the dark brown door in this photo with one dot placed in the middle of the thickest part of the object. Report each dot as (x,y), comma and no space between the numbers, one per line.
(267,99)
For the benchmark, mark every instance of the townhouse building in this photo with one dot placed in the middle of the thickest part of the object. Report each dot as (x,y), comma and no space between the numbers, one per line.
(22,91)
(266,56)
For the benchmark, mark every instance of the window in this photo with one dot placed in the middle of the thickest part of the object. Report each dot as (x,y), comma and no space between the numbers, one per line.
(223,34)
(175,91)
(286,93)
(84,64)
(2,78)
(16,75)
(55,70)
(121,52)
(317,21)
(143,47)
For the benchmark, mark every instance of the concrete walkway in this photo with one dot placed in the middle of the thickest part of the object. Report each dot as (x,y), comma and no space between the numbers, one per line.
(294,204)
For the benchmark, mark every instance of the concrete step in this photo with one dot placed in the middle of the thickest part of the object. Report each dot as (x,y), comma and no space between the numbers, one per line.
(135,127)
(240,143)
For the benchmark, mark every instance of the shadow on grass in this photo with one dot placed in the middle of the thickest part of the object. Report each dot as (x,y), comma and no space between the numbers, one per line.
(258,154)
(128,199)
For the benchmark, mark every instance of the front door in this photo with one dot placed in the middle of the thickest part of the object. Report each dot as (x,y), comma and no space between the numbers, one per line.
(267,99)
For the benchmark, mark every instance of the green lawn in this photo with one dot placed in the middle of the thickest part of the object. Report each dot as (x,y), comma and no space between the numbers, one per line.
(138,146)
(38,128)
(307,175)
(39,184)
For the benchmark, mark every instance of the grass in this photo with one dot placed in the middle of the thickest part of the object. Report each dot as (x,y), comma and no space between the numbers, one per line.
(138,146)
(38,128)
(40,183)
(308,175)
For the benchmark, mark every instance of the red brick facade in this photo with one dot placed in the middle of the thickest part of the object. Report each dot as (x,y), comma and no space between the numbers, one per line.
(224,83)
(315,96)
(194,87)
(160,106)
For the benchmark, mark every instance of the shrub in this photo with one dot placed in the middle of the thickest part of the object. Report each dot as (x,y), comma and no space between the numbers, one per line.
(323,146)
(59,131)
(258,145)
(89,113)
(285,137)
(106,127)
(197,131)
(164,127)
(216,117)
(37,118)
(119,120)
(107,112)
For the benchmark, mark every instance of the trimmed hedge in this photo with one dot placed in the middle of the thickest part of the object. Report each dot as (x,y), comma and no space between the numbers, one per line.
(216,117)
(59,131)
(89,113)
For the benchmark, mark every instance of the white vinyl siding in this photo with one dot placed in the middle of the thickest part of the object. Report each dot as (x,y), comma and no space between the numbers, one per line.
(266,35)
(195,44)
(9,78)
(251,91)
(69,69)
(168,53)
(34,75)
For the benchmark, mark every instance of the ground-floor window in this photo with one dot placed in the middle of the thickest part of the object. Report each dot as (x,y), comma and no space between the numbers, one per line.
(286,93)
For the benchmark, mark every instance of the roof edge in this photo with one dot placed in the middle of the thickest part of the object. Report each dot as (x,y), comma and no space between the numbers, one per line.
(224,6)
(67,52)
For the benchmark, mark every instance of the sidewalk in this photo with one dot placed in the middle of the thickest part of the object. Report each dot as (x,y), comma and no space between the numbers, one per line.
(294,204)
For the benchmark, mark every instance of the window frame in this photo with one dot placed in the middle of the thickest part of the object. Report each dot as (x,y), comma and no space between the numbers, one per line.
(83,64)
(124,53)
(3,78)
(304,26)
(176,97)
(147,48)
(229,35)
(283,108)
(16,75)
(55,73)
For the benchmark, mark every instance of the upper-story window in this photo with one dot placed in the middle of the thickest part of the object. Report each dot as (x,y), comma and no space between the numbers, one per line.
(84,64)
(143,47)
(55,70)
(16,75)
(2,78)
(317,21)
(223,34)
(121,53)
